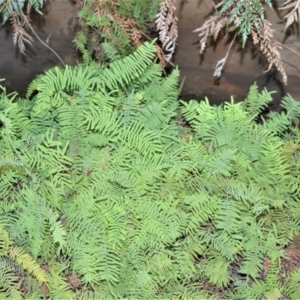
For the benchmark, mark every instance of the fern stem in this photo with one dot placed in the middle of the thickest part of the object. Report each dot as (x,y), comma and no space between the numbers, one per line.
(291,49)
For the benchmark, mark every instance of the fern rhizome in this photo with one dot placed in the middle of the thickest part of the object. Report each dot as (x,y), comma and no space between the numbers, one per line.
(111,188)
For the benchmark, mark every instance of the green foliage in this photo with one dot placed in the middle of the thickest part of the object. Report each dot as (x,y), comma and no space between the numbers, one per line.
(101,180)
(8,8)
(245,15)
(121,23)
(13,263)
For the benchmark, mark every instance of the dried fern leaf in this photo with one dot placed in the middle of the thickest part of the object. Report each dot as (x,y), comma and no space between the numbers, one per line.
(294,14)
(211,28)
(166,24)
(20,36)
(269,47)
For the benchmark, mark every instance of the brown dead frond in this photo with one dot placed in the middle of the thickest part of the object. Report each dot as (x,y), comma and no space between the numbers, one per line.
(293,15)
(166,25)
(161,56)
(20,36)
(28,10)
(109,9)
(269,47)
(211,28)
(132,28)
(266,266)
(262,36)
(221,63)
(136,37)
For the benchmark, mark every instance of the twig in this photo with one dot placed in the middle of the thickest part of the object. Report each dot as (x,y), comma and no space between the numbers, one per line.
(291,49)
(41,41)
(221,63)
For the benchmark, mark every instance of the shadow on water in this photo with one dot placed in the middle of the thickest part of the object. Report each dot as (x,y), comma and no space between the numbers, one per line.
(244,66)
(56,25)
(58,22)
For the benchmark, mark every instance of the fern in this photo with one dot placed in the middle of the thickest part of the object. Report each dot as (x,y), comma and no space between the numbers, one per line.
(256,102)
(13,260)
(246,18)
(113,29)
(107,193)
(8,287)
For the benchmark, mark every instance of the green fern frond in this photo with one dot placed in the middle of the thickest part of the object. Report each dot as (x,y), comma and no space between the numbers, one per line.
(9,288)
(138,197)
(28,263)
(59,287)
(292,109)
(110,52)
(292,286)
(81,41)
(125,71)
(256,101)
(218,271)
(276,123)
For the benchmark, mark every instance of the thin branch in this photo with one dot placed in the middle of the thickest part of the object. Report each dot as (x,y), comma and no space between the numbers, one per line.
(221,63)
(291,49)
(41,41)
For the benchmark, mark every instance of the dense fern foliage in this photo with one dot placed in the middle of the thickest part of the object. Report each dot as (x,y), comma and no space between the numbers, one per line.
(110,188)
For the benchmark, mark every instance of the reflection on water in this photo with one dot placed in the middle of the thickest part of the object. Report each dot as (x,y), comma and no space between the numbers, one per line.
(57,25)
(243,66)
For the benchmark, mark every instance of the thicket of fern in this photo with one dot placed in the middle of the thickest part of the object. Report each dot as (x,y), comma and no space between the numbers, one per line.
(111,188)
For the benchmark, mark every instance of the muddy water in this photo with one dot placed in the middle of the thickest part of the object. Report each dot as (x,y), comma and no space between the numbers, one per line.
(55,25)
(243,67)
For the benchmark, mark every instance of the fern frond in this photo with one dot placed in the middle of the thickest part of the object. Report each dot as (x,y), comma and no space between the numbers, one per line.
(294,12)
(9,286)
(166,25)
(126,70)
(256,101)
(20,35)
(209,267)
(28,263)
(292,108)
(59,287)
(292,286)
(110,52)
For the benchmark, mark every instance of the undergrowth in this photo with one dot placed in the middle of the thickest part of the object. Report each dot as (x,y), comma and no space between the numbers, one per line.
(111,188)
